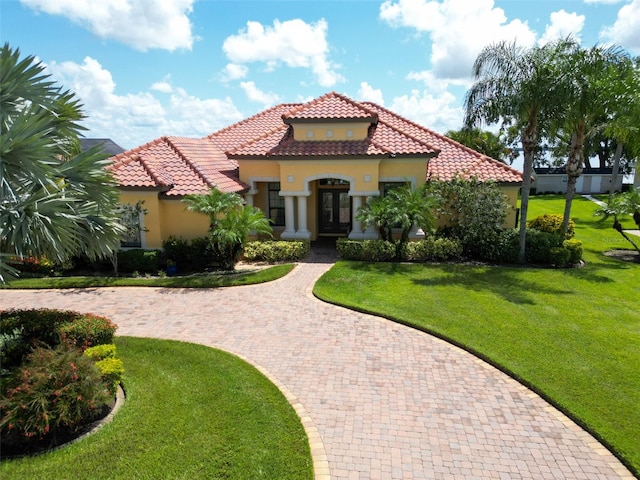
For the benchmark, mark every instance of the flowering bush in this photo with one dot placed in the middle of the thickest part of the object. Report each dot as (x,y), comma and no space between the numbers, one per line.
(88,330)
(53,389)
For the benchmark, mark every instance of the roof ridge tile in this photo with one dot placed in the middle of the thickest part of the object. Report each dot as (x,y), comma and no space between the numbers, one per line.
(194,167)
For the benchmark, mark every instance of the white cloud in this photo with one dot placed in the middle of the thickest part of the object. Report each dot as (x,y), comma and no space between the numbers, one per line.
(437,112)
(295,43)
(163,86)
(254,94)
(435,84)
(605,2)
(562,25)
(458,29)
(134,119)
(141,24)
(234,71)
(626,31)
(367,93)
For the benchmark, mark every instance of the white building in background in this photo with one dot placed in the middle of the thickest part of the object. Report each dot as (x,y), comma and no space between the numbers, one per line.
(592,180)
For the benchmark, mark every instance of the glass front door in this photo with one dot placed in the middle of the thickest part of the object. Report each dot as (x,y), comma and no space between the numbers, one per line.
(335,211)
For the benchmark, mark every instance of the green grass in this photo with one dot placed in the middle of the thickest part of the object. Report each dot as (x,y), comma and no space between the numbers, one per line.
(191,412)
(571,334)
(224,279)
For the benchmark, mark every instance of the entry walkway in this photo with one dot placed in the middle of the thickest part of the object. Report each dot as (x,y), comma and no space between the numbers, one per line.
(378,400)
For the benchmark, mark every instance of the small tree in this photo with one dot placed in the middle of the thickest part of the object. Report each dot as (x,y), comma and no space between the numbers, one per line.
(402,208)
(232,231)
(230,222)
(627,203)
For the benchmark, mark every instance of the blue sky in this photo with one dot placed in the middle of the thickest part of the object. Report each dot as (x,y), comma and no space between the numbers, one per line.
(147,68)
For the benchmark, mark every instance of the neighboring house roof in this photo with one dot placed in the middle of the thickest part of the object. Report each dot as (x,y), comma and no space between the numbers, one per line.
(108,146)
(180,165)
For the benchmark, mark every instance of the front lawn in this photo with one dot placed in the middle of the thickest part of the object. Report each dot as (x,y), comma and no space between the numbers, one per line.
(212,280)
(191,412)
(571,334)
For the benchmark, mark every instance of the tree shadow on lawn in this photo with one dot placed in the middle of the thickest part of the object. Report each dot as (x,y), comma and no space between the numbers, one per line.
(507,283)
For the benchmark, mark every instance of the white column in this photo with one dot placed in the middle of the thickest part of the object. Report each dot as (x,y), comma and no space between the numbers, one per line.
(289,219)
(356,226)
(248,199)
(302,232)
(370,233)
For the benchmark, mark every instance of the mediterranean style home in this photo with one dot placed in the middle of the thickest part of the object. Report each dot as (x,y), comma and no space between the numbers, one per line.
(308,166)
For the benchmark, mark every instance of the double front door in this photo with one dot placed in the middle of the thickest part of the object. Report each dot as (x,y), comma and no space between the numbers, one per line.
(335,211)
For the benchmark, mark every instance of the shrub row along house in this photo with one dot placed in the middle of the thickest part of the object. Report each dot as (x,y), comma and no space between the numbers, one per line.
(309,167)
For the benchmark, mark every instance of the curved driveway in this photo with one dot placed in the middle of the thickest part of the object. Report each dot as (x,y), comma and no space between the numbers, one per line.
(378,400)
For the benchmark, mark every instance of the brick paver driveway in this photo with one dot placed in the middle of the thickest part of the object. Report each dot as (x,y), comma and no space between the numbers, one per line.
(379,400)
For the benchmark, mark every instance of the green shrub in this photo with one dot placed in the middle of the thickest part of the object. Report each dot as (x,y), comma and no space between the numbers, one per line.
(112,371)
(366,250)
(37,327)
(350,249)
(507,246)
(552,223)
(111,368)
(559,256)
(433,249)
(138,260)
(575,249)
(100,352)
(55,388)
(88,330)
(272,251)
(539,245)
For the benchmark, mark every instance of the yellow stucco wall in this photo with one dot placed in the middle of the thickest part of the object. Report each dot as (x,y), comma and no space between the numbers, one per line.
(331,131)
(165,218)
(178,222)
(152,221)
(512,196)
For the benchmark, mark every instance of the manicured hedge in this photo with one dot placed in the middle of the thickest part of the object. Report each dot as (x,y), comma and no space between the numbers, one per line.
(273,251)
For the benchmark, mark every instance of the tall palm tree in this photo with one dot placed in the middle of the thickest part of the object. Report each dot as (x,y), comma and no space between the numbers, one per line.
(517,86)
(591,81)
(55,202)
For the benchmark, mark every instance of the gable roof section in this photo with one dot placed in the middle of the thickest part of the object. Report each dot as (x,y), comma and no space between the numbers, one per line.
(454,158)
(383,138)
(177,165)
(332,106)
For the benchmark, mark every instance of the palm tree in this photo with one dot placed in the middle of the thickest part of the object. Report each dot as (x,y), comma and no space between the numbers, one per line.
(591,81)
(213,204)
(401,208)
(230,222)
(55,202)
(517,86)
(627,203)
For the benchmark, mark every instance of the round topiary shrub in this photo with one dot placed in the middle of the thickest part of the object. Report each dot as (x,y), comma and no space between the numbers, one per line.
(552,223)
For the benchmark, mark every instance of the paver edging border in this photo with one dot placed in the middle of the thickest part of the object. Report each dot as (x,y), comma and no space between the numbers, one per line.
(321,469)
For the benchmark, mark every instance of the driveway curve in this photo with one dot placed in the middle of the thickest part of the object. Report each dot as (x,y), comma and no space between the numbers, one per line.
(378,399)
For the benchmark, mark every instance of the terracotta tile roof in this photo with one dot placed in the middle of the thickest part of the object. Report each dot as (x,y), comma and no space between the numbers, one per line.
(454,158)
(331,105)
(178,166)
(250,128)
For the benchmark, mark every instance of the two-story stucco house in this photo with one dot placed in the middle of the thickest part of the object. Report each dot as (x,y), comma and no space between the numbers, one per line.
(308,166)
